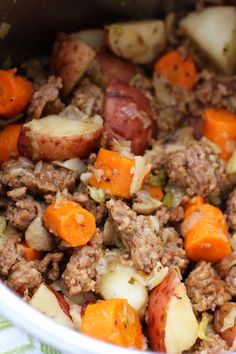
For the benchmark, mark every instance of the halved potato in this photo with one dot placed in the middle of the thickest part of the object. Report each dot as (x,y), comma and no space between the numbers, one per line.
(128,116)
(70,59)
(59,138)
(94,38)
(139,42)
(172,325)
(119,281)
(214,31)
(107,67)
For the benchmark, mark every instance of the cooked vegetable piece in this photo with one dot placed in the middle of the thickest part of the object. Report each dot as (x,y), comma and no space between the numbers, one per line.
(220,128)
(155,192)
(205,232)
(177,70)
(121,281)
(70,222)
(225,322)
(94,38)
(107,67)
(139,42)
(59,138)
(113,173)
(172,325)
(30,254)
(128,116)
(8,142)
(213,30)
(52,303)
(114,321)
(15,93)
(70,59)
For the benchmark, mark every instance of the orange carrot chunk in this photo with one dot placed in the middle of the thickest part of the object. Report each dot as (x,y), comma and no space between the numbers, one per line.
(220,128)
(177,70)
(15,93)
(8,142)
(155,192)
(206,233)
(70,222)
(114,173)
(113,321)
(30,254)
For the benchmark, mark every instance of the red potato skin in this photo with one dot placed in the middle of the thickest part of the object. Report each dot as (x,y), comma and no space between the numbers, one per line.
(109,67)
(229,334)
(62,302)
(120,124)
(37,146)
(158,304)
(70,58)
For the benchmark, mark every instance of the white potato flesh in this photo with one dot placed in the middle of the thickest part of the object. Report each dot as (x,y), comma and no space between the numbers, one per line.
(94,38)
(214,31)
(61,126)
(139,42)
(45,301)
(119,282)
(179,338)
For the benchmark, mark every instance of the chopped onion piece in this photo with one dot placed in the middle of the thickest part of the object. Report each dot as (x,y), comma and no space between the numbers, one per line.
(75,164)
(231,165)
(141,171)
(97,194)
(203,327)
(229,320)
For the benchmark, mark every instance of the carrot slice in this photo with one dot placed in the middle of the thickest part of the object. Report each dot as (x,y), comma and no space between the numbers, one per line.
(155,192)
(30,254)
(69,221)
(113,321)
(15,93)
(220,128)
(116,173)
(8,142)
(208,237)
(177,70)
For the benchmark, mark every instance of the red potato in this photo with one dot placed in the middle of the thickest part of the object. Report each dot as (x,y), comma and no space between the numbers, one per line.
(172,325)
(51,303)
(107,67)
(59,138)
(128,116)
(70,59)
(225,322)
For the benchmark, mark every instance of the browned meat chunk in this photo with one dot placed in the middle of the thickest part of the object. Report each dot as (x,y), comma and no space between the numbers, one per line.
(137,234)
(80,274)
(22,212)
(24,277)
(8,256)
(166,215)
(205,288)
(89,98)
(198,169)
(46,99)
(227,270)
(44,178)
(231,210)
(172,253)
(216,91)
(49,266)
(17,193)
